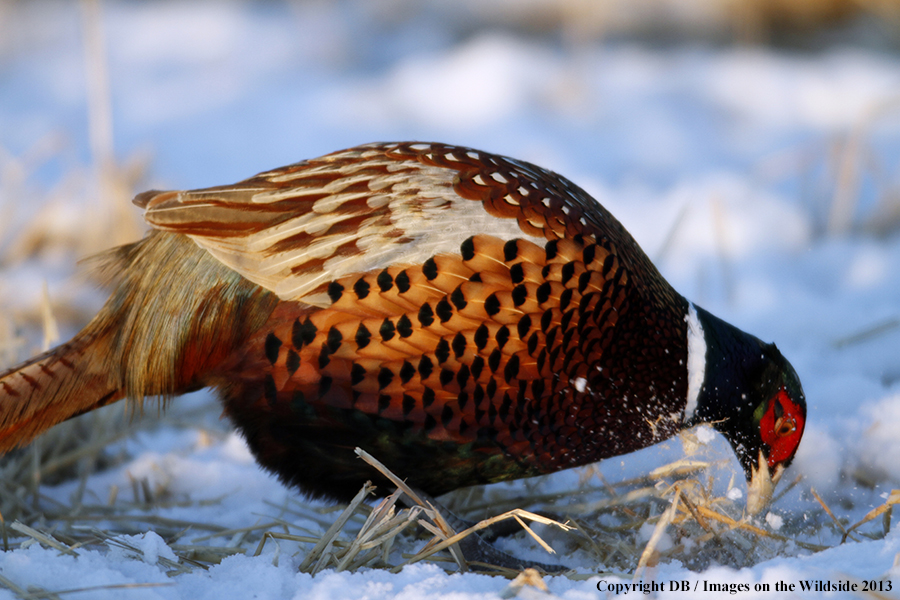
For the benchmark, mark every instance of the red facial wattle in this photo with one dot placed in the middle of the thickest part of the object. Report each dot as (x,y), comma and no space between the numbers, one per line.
(781,427)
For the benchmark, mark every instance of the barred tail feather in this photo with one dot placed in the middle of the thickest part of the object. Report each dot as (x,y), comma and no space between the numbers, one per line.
(157,335)
(62,383)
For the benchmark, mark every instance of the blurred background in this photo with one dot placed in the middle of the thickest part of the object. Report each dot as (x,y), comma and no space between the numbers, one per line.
(632,99)
(750,146)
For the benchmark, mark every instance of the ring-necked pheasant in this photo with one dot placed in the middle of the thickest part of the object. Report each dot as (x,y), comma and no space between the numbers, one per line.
(464,317)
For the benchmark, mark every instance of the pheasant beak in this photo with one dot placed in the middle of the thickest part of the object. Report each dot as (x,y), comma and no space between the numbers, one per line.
(762,485)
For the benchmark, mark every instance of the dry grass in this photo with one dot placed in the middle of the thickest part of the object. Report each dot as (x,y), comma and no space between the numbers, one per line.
(788,22)
(622,527)
(849,181)
(857,161)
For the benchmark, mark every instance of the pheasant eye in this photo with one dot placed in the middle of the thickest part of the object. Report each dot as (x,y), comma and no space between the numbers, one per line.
(785,426)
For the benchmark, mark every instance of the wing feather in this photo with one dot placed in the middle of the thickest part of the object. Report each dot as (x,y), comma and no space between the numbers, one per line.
(294,229)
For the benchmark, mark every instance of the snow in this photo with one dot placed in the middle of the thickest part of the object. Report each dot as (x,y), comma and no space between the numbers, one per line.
(775,521)
(722,162)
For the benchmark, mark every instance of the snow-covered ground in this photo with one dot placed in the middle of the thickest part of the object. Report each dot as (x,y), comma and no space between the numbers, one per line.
(726,165)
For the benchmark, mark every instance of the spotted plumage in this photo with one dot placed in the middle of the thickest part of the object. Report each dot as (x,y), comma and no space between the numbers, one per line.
(464,317)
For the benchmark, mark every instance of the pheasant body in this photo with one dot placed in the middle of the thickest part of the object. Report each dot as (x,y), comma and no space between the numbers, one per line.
(464,317)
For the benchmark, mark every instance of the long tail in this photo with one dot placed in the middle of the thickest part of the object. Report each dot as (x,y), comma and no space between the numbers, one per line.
(174,314)
(67,381)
